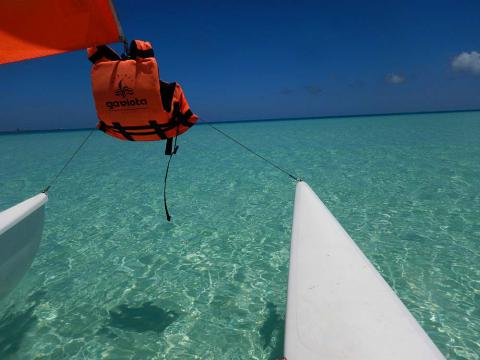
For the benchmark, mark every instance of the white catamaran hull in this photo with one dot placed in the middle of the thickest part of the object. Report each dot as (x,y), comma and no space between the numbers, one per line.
(21,229)
(339,306)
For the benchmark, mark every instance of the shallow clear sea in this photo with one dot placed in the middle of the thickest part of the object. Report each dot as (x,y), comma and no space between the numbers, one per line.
(113,279)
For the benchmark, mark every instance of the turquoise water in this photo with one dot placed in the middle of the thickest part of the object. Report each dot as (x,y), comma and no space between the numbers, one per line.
(114,280)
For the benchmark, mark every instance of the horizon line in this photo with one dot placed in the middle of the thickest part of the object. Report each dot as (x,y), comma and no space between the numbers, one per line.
(20,131)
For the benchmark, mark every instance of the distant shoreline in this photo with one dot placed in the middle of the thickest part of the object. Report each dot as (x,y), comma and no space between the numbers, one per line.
(20,131)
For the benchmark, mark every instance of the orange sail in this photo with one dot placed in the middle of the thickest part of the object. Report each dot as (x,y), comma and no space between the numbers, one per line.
(36,28)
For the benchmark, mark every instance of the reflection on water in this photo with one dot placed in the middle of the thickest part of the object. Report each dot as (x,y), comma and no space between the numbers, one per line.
(13,328)
(273,332)
(14,325)
(146,317)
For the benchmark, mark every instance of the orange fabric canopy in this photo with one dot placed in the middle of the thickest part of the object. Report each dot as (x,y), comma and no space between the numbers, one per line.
(36,28)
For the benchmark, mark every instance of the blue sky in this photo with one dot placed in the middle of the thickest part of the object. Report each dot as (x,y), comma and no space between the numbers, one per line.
(240,60)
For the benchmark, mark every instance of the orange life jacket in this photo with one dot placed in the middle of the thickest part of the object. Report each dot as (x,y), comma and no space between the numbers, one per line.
(132,103)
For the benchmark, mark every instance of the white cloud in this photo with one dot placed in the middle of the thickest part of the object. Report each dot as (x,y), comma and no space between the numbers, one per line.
(395,79)
(468,62)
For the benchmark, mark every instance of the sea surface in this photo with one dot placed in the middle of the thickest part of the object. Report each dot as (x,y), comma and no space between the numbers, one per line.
(114,280)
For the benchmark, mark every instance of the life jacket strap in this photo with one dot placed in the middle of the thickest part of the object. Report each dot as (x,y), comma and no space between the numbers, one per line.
(98,53)
(128,132)
(182,118)
(169,148)
(141,49)
(170,153)
(166,92)
(122,131)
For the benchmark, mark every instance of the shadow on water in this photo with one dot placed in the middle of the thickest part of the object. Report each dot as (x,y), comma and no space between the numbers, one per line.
(273,332)
(141,319)
(15,325)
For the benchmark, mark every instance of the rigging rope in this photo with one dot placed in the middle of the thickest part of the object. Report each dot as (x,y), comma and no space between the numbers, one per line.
(294,177)
(175,147)
(171,152)
(68,161)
